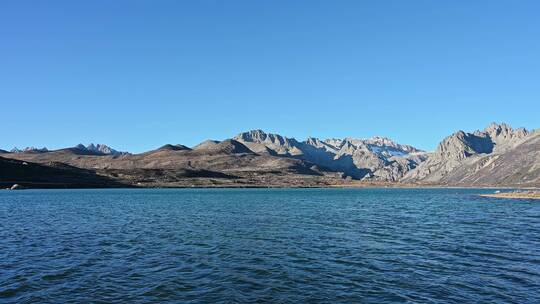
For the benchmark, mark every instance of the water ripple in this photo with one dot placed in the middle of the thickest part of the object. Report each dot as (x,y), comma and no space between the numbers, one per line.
(267,246)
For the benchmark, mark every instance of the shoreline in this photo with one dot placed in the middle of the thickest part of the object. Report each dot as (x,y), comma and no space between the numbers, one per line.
(44,186)
(514,195)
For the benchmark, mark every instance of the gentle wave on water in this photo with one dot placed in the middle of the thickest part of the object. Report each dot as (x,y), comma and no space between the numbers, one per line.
(268,245)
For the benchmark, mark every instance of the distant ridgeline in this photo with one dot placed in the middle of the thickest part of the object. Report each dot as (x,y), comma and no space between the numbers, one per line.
(496,156)
(91,148)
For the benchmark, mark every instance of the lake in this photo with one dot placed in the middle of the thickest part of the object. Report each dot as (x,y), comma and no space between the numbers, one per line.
(268,246)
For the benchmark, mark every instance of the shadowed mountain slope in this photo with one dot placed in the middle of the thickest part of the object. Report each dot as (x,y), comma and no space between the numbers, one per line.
(171,166)
(52,175)
(169,147)
(377,159)
(497,155)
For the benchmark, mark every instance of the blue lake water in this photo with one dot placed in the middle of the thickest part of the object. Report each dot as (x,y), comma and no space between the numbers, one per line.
(268,245)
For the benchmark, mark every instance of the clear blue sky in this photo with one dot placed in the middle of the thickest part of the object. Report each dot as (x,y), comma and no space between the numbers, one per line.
(139,74)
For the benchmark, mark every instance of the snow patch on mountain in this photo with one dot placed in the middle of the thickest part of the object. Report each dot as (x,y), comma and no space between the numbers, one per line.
(100,149)
(29,149)
(377,158)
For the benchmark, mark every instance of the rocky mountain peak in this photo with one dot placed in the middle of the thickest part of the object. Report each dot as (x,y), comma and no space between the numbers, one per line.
(501,133)
(348,146)
(104,149)
(495,136)
(262,142)
(313,141)
(29,149)
(381,141)
(253,135)
(461,145)
(377,158)
(259,136)
(498,152)
(498,128)
(99,149)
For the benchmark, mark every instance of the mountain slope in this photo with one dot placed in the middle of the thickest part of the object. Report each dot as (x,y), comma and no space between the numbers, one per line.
(214,163)
(497,155)
(99,149)
(170,147)
(29,149)
(52,175)
(377,159)
(229,146)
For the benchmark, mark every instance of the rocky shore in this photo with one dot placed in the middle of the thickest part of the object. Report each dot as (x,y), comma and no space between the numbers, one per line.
(515,194)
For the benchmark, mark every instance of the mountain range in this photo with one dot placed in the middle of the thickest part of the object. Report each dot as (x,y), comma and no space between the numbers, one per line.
(496,156)
(97,149)
(378,158)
